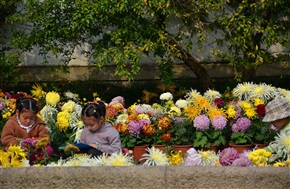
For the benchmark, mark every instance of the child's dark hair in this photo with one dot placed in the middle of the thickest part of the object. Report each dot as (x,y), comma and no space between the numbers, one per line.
(96,109)
(26,103)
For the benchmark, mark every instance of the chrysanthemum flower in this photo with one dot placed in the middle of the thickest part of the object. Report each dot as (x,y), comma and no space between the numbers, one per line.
(213,112)
(242,161)
(52,98)
(37,91)
(122,127)
(166,96)
(174,111)
(208,157)
(192,95)
(282,142)
(48,112)
(119,159)
(279,164)
(201,122)
(68,106)
(227,156)
(219,122)
(181,103)
(259,156)
(122,118)
(166,136)
(243,91)
(42,143)
(231,112)
(154,157)
(191,112)
(211,95)
(148,129)
(164,123)
(134,128)
(17,152)
(250,113)
(175,158)
(203,103)
(192,158)
(70,147)
(4,159)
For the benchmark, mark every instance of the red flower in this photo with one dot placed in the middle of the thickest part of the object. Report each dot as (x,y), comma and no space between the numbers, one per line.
(219,102)
(260,110)
(166,137)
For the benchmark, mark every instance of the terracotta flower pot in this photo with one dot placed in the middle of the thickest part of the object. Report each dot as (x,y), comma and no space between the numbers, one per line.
(182,148)
(138,151)
(241,147)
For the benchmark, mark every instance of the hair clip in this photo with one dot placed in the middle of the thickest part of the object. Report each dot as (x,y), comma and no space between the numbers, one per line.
(95,111)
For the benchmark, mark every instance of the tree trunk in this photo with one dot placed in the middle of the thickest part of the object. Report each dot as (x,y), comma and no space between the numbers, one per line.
(199,70)
(248,74)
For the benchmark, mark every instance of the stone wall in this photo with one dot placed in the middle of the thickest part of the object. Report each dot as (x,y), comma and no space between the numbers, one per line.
(148,72)
(158,177)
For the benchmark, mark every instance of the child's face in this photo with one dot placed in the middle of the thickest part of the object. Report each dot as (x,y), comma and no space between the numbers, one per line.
(26,118)
(92,123)
(279,123)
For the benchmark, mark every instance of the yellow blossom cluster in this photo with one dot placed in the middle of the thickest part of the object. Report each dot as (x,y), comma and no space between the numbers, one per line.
(259,157)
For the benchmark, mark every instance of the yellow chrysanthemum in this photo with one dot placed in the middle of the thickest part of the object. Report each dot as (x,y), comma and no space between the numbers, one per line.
(175,158)
(245,105)
(42,143)
(132,107)
(231,112)
(203,103)
(279,164)
(69,106)
(62,123)
(72,148)
(174,111)
(155,157)
(16,151)
(37,91)
(208,157)
(251,113)
(259,157)
(6,115)
(142,116)
(4,159)
(64,114)
(258,101)
(191,112)
(52,98)
(213,112)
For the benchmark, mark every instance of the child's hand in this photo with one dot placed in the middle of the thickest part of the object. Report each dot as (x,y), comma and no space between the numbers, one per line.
(93,145)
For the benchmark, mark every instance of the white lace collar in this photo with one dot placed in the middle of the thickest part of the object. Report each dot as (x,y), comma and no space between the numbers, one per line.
(25,127)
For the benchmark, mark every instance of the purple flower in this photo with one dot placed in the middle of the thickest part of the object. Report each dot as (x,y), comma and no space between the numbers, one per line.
(201,122)
(227,156)
(271,126)
(134,128)
(193,158)
(2,105)
(244,124)
(242,161)
(219,122)
(144,122)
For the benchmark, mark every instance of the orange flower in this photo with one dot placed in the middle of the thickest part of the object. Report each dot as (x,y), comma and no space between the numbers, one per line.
(148,129)
(191,112)
(122,128)
(111,112)
(166,136)
(164,123)
(132,117)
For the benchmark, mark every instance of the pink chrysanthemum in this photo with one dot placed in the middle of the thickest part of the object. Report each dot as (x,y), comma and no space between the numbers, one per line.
(227,156)
(243,124)
(134,128)
(219,122)
(242,161)
(201,122)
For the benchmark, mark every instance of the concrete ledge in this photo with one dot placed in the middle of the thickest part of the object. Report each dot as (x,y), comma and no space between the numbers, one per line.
(145,177)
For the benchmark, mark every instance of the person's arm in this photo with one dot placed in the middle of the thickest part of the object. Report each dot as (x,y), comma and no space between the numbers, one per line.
(114,144)
(8,136)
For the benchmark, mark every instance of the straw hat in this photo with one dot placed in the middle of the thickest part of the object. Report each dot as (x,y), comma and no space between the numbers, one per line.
(276,109)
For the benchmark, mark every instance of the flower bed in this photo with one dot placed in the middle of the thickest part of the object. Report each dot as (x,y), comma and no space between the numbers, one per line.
(232,117)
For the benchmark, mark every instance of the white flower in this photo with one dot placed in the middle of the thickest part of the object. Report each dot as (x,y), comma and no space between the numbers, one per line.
(166,96)
(263,91)
(119,159)
(243,90)
(211,95)
(181,103)
(208,157)
(48,113)
(282,144)
(155,157)
(122,118)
